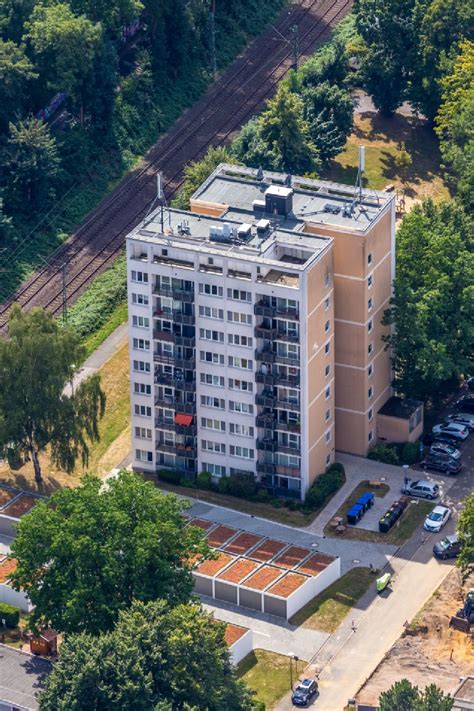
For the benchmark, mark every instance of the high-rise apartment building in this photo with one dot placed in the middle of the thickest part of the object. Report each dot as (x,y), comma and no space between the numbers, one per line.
(255,327)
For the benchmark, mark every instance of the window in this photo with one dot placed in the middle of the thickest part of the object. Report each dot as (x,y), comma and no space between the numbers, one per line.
(370,280)
(209,424)
(327,326)
(327,279)
(238,295)
(241,430)
(208,357)
(236,317)
(140,299)
(370,414)
(141,344)
(214,380)
(139,366)
(327,436)
(210,446)
(211,290)
(143,456)
(369,258)
(327,303)
(327,370)
(371,435)
(143,410)
(243,452)
(211,312)
(370,348)
(237,362)
(370,326)
(237,340)
(142,433)
(370,370)
(141,321)
(370,303)
(209,401)
(140,277)
(327,347)
(214,469)
(328,459)
(328,392)
(370,392)
(207,335)
(142,389)
(243,385)
(327,416)
(242,407)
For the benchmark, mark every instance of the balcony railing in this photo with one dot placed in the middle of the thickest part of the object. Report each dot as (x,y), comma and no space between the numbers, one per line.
(174,293)
(176,361)
(292,381)
(275,334)
(272,468)
(171,426)
(186,408)
(264,309)
(174,382)
(268,356)
(177,339)
(271,400)
(269,421)
(267,445)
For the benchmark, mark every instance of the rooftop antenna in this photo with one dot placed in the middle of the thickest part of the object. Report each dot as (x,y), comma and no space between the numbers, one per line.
(288,180)
(160,198)
(260,175)
(212,38)
(358,185)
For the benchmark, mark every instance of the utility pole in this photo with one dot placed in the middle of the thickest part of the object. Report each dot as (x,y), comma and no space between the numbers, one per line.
(212,38)
(63,270)
(296,46)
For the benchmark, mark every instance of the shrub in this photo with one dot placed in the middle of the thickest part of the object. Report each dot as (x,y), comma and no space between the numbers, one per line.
(383,453)
(223,485)
(242,485)
(204,480)
(324,486)
(10,614)
(169,475)
(410,453)
(262,497)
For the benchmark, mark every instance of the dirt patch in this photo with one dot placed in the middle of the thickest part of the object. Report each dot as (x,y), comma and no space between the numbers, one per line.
(430,652)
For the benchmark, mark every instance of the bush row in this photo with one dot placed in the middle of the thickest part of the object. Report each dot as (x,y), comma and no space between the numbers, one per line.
(395,453)
(10,614)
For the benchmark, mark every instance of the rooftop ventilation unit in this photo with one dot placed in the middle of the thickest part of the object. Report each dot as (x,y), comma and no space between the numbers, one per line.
(263,228)
(332,209)
(221,233)
(244,232)
(184,228)
(279,200)
(258,206)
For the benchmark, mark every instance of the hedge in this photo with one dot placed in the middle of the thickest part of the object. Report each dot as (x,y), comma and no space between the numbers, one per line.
(169,475)
(10,614)
(324,486)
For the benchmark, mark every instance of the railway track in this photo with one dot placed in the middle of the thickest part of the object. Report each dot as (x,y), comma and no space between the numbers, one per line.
(224,108)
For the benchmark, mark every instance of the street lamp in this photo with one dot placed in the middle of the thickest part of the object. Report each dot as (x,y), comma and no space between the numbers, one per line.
(293,656)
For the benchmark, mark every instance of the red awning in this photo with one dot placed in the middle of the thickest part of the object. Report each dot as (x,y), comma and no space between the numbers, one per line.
(183,419)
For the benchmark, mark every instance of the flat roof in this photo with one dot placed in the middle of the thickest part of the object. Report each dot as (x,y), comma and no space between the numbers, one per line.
(287,585)
(291,557)
(7,567)
(243,543)
(238,187)
(238,571)
(6,495)
(315,564)
(400,407)
(211,567)
(233,633)
(465,692)
(201,523)
(21,505)
(220,535)
(23,676)
(264,577)
(267,550)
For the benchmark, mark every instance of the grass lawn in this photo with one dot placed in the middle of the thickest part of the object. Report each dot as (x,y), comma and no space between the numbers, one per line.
(268,674)
(116,318)
(326,611)
(413,516)
(384,138)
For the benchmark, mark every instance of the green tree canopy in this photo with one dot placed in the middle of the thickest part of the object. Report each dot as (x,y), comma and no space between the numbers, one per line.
(64,46)
(403,696)
(328,110)
(36,362)
(465,560)
(16,73)
(112,14)
(433,301)
(157,657)
(88,552)
(455,122)
(196,173)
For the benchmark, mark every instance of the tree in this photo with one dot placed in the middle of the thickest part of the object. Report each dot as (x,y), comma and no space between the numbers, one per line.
(465,560)
(88,552)
(16,73)
(432,309)
(64,46)
(328,110)
(32,166)
(389,32)
(112,14)
(37,361)
(455,123)
(5,226)
(157,657)
(403,696)
(196,173)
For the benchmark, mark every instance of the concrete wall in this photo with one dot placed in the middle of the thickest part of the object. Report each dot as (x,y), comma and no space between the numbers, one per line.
(397,429)
(240,649)
(8,525)
(16,598)
(251,599)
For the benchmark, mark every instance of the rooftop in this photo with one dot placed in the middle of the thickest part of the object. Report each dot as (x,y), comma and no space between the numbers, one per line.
(465,692)
(201,523)
(212,567)
(268,550)
(263,577)
(6,495)
(315,564)
(238,571)
(287,585)
(400,407)
(233,633)
(7,567)
(23,676)
(220,535)
(21,505)
(242,543)
(291,557)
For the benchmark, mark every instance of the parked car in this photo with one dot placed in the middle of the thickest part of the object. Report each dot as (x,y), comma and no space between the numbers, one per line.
(462,418)
(444,448)
(448,547)
(435,520)
(442,462)
(422,488)
(304,692)
(466,404)
(452,429)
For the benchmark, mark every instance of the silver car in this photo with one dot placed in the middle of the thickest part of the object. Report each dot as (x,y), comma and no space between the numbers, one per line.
(422,488)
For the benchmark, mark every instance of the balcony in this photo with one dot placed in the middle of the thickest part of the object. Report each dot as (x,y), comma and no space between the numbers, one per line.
(272,468)
(267,445)
(174,382)
(290,381)
(177,339)
(275,334)
(176,361)
(296,451)
(289,337)
(267,420)
(187,408)
(165,424)
(268,399)
(164,446)
(268,356)
(184,319)
(288,426)
(175,293)
(189,451)
(262,308)
(171,426)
